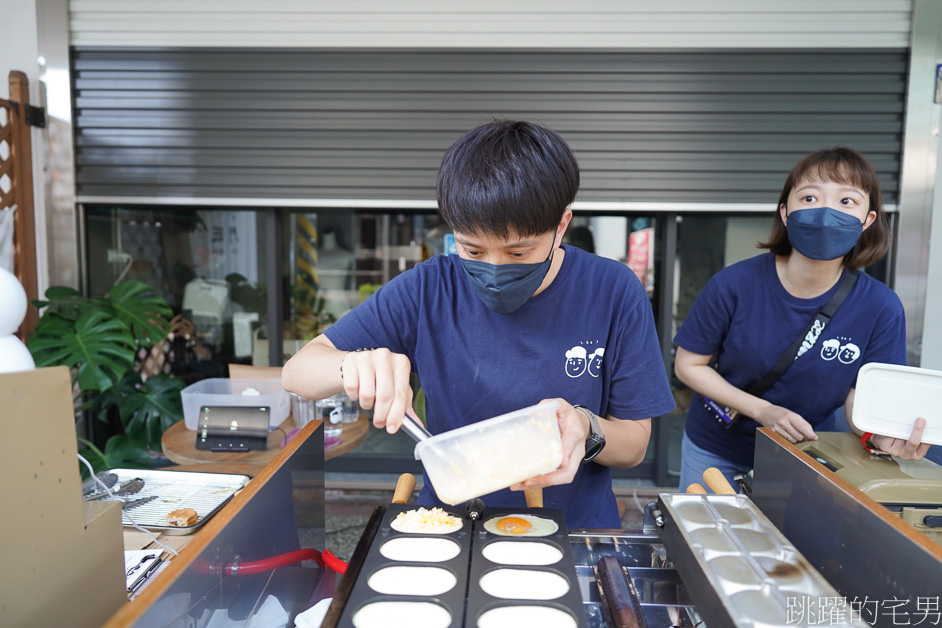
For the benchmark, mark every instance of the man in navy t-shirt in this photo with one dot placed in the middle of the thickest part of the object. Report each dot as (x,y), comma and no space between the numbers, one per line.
(514,318)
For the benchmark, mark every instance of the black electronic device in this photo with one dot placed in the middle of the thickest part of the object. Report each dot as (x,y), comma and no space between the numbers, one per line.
(233,428)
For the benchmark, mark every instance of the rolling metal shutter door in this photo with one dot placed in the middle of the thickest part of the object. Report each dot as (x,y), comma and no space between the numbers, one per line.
(304,124)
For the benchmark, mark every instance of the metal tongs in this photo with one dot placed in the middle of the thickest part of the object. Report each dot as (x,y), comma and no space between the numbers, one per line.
(412,426)
(128,488)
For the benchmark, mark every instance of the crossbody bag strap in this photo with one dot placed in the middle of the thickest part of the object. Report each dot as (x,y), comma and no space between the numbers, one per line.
(808,338)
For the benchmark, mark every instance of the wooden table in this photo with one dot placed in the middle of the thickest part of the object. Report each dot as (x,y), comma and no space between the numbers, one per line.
(179,445)
(351,437)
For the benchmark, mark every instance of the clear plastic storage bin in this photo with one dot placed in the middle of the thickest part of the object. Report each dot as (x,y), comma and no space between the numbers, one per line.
(221,391)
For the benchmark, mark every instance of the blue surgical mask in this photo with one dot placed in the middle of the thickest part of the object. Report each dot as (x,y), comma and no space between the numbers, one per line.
(823,233)
(504,288)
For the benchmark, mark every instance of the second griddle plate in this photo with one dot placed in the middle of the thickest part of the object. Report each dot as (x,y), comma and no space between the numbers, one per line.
(360,594)
(479,602)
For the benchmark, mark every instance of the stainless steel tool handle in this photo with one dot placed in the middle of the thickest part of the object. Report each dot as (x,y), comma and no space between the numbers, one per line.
(412,426)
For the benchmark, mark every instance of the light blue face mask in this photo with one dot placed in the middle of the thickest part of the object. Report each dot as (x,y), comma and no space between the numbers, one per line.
(823,233)
(504,288)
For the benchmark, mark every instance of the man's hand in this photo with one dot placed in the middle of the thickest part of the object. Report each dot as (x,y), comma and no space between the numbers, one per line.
(379,379)
(573,430)
(786,423)
(906,449)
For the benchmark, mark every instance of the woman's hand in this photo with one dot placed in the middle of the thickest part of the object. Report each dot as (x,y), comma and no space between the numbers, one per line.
(786,423)
(907,449)
(573,430)
(379,379)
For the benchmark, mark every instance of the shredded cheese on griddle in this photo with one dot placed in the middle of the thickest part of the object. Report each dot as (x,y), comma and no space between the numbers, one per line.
(434,521)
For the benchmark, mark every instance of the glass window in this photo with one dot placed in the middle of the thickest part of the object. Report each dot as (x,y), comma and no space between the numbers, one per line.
(706,243)
(212,265)
(208,264)
(628,239)
(333,260)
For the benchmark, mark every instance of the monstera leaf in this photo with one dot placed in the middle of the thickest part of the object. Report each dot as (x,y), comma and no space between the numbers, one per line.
(97,338)
(156,406)
(141,309)
(97,345)
(63,302)
(120,451)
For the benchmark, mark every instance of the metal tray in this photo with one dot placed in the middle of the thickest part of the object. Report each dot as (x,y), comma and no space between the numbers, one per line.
(205,493)
(739,568)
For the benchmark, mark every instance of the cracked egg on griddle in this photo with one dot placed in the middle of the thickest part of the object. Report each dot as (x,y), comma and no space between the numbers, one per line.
(520,525)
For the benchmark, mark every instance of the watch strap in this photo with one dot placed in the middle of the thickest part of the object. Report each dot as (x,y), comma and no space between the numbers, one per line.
(595,441)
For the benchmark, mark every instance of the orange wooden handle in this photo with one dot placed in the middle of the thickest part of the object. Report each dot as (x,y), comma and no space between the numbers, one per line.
(534,497)
(404,487)
(715,479)
(696,489)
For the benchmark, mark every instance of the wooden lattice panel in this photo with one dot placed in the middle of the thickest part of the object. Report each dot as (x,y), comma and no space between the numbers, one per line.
(6,155)
(16,189)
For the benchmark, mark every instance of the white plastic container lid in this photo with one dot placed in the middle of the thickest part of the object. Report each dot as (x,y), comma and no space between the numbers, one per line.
(890,397)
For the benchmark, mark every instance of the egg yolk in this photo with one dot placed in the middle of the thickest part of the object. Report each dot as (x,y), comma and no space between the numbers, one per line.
(514,525)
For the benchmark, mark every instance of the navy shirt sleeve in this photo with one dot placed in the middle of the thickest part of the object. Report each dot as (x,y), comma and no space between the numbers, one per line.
(707,322)
(639,385)
(888,343)
(388,318)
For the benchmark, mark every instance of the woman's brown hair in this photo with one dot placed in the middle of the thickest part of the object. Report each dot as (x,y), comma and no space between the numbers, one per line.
(842,165)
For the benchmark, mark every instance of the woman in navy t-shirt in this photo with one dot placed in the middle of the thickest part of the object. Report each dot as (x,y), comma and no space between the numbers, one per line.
(830,221)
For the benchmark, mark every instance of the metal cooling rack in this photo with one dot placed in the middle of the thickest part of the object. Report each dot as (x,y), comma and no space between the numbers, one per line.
(205,493)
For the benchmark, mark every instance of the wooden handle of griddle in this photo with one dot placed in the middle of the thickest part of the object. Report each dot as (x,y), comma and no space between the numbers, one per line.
(715,479)
(534,497)
(696,489)
(404,487)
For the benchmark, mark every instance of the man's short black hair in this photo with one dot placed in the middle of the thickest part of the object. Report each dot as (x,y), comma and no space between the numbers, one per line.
(507,178)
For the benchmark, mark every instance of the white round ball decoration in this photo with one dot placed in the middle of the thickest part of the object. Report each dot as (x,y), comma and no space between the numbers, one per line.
(12,302)
(14,356)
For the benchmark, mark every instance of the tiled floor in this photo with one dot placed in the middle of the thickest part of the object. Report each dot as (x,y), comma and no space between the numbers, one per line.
(348,508)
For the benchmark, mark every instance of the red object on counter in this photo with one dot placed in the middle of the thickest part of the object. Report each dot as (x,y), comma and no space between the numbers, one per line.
(326,559)
(863,441)
(334,563)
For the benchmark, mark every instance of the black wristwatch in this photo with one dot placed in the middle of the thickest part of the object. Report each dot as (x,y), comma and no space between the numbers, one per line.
(595,441)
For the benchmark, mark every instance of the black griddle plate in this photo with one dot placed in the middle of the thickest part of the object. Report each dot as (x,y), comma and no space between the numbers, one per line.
(361,594)
(466,602)
(480,602)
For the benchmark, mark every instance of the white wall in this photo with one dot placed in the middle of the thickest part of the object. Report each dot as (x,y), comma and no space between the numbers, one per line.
(20,51)
(918,269)
(931,350)
(20,47)
(555,24)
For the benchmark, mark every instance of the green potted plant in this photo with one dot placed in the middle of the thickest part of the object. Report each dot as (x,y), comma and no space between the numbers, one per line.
(98,338)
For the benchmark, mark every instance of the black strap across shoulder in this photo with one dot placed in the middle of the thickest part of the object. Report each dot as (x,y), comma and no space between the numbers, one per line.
(808,338)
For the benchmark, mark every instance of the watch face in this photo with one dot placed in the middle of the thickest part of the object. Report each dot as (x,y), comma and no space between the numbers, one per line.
(593,446)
